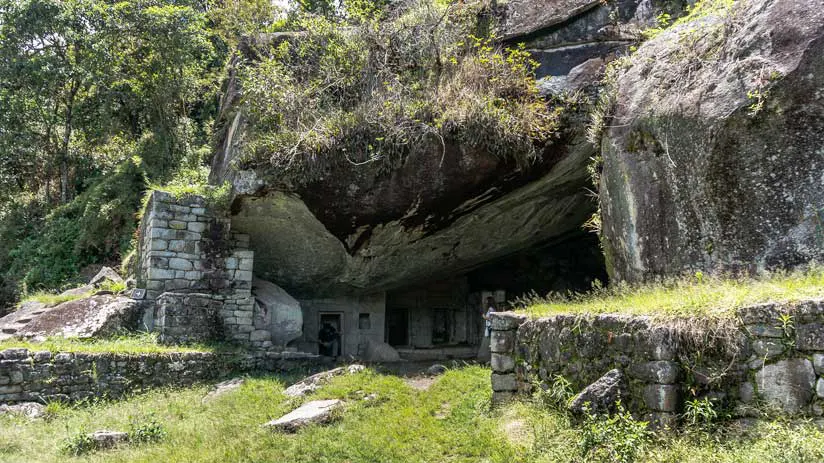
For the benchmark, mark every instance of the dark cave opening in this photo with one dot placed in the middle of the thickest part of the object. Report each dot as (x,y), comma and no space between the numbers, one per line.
(570,264)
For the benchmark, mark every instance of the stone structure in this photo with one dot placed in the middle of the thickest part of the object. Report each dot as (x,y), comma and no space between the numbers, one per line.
(197,272)
(775,357)
(29,376)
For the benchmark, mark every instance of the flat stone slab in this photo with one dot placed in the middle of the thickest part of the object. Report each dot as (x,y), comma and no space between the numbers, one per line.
(312,383)
(222,389)
(108,439)
(314,412)
(30,410)
(602,394)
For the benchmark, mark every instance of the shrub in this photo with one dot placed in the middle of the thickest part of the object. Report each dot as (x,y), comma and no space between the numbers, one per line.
(555,395)
(617,438)
(78,444)
(376,91)
(146,431)
(700,412)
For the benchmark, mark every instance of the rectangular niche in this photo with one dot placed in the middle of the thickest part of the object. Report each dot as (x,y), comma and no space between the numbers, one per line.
(364,321)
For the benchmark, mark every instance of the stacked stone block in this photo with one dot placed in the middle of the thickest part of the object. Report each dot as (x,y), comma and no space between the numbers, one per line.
(188,318)
(187,248)
(29,376)
(502,341)
(776,357)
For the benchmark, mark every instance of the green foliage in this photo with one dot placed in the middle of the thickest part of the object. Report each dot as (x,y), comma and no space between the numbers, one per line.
(556,394)
(44,252)
(700,412)
(78,444)
(369,91)
(53,299)
(449,422)
(129,343)
(194,181)
(99,98)
(148,430)
(618,438)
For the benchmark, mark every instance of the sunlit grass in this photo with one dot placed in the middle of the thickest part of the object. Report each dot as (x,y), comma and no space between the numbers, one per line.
(51,299)
(139,343)
(450,422)
(698,296)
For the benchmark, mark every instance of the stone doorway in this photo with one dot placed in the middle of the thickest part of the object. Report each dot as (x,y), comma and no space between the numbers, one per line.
(397,327)
(335,319)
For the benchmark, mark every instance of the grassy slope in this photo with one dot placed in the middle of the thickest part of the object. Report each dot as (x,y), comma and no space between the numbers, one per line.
(705,297)
(451,422)
(132,344)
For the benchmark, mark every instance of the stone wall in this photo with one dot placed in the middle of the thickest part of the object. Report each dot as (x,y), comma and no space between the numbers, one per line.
(770,360)
(194,266)
(28,376)
(355,333)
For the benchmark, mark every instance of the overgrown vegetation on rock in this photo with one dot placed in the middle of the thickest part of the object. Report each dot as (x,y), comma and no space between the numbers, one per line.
(388,83)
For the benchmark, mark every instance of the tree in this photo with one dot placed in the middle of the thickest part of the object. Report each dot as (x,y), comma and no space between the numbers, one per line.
(79,72)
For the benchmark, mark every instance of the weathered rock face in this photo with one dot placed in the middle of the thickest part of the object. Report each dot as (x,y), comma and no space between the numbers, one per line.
(96,316)
(714,158)
(602,395)
(276,312)
(296,248)
(564,34)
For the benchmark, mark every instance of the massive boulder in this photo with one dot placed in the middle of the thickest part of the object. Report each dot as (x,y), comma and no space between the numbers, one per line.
(277,312)
(419,222)
(562,34)
(714,158)
(96,316)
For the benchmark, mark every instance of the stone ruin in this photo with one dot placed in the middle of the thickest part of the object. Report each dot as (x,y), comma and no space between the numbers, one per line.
(769,359)
(197,276)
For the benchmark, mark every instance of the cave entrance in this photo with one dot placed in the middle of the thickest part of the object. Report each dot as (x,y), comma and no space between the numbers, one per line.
(571,264)
(445,317)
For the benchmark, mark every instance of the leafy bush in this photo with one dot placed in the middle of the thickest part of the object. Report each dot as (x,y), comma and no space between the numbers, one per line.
(78,444)
(366,90)
(700,412)
(46,251)
(555,395)
(617,438)
(147,431)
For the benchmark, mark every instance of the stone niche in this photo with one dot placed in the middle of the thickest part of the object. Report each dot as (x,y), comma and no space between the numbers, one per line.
(197,273)
(770,360)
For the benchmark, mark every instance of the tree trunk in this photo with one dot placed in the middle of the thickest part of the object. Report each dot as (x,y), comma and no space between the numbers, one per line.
(64,149)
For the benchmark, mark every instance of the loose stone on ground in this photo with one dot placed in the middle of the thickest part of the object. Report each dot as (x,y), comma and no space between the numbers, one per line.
(315,412)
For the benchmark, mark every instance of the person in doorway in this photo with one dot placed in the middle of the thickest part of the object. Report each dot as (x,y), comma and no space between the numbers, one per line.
(328,340)
(489,310)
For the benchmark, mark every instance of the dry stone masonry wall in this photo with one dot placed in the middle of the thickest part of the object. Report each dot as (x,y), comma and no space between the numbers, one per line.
(770,360)
(198,272)
(29,376)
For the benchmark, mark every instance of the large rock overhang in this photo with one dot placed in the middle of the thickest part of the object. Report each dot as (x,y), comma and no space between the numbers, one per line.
(311,257)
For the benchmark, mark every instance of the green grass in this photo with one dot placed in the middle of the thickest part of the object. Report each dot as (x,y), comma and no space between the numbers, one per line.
(51,299)
(450,422)
(699,296)
(132,344)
